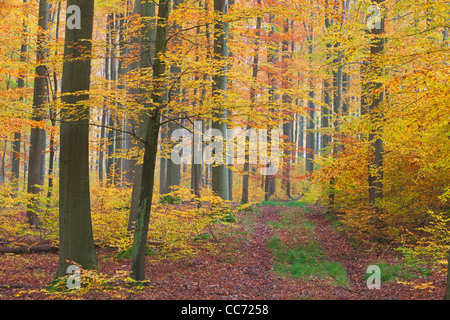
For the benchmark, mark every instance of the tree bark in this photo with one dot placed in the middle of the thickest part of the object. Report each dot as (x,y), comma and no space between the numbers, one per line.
(220,181)
(147,50)
(287,123)
(151,147)
(310,124)
(53,115)
(36,162)
(16,145)
(272,55)
(255,67)
(375,179)
(75,226)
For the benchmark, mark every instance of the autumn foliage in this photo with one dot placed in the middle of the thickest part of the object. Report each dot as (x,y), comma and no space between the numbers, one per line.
(316,77)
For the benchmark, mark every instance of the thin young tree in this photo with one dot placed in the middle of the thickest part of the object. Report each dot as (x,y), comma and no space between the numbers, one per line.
(153,107)
(375,179)
(16,145)
(220,181)
(146,11)
(272,58)
(310,124)
(255,68)
(36,162)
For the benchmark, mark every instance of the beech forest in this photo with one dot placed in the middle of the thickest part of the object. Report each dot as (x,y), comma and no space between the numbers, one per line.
(224,150)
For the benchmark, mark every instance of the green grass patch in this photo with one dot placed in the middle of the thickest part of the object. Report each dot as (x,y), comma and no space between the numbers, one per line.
(398,271)
(306,261)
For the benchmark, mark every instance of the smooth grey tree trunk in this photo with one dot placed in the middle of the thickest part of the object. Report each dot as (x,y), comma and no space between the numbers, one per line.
(376,166)
(255,68)
(310,124)
(272,55)
(287,124)
(76,243)
(220,181)
(36,162)
(326,109)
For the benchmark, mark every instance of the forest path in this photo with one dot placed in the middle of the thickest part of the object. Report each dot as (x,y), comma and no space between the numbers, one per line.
(275,252)
(245,269)
(247,266)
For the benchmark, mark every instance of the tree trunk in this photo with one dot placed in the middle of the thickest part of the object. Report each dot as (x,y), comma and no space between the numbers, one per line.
(76,241)
(148,39)
(255,67)
(53,115)
(272,53)
(310,124)
(287,123)
(16,145)
(375,179)
(220,182)
(104,110)
(110,117)
(36,162)
(121,72)
(151,147)
(196,166)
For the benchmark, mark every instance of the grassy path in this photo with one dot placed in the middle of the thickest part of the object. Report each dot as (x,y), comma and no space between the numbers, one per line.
(326,265)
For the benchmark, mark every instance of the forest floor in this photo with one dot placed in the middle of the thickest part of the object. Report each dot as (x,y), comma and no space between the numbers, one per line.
(275,252)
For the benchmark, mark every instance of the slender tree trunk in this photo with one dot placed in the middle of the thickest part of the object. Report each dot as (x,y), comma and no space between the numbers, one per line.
(110,117)
(301,137)
(220,182)
(325,112)
(3,178)
(76,243)
(197,139)
(113,134)
(287,124)
(36,164)
(121,72)
(255,67)
(15,163)
(103,130)
(196,166)
(272,55)
(206,76)
(310,124)
(147,49)
(173,170)
(53,115)
(376,166)
(151,147)
(326,109)
(130,163)
(16,145)
(101,158)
